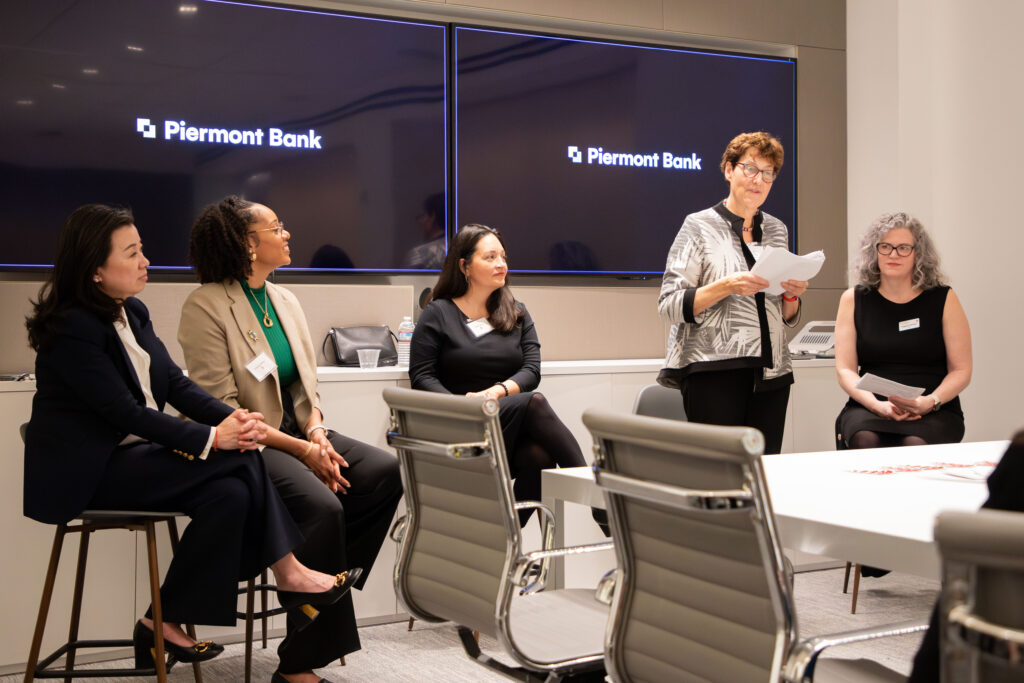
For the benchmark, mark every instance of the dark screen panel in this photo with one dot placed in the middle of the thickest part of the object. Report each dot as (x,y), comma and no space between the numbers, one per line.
(562,143)
(336,122)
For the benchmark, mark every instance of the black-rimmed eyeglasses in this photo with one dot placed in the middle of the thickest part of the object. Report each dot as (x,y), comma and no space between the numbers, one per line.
(750,170)
(904,250)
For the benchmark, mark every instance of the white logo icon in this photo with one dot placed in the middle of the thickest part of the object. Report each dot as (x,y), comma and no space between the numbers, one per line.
(575,155)
(147,129)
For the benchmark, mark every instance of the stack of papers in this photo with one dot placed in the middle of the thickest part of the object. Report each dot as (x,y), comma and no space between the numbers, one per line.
(886,387)
(776,265)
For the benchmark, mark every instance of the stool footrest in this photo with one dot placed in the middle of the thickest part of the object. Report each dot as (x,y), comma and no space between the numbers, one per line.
(75,645)
(259,615)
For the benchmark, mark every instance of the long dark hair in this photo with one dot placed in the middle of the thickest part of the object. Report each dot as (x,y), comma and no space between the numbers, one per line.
(218,247)
(83,246)
(502,311)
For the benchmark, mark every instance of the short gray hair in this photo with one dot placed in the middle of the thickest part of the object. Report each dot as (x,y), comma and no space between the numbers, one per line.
(926,259)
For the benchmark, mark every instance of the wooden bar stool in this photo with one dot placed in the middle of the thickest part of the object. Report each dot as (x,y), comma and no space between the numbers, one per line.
(88,522)
(251,615)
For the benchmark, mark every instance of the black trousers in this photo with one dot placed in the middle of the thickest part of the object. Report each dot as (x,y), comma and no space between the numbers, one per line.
(238,527)
(728,398)
(342,530)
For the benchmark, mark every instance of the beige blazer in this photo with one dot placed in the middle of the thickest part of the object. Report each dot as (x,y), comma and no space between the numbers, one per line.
(220,335)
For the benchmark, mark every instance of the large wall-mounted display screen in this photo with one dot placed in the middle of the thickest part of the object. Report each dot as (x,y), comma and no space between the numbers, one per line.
(588,155)
(336,122)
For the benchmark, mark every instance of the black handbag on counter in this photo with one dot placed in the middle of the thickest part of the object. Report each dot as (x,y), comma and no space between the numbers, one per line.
(341,344)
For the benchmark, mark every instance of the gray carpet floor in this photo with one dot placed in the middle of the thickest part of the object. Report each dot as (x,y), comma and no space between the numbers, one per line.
(432,652)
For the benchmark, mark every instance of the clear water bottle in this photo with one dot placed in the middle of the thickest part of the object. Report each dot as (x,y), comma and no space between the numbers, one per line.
(405,331)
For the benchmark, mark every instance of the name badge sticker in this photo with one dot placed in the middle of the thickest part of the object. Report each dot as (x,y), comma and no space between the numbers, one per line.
(911,324)
(261,366)
(479,327)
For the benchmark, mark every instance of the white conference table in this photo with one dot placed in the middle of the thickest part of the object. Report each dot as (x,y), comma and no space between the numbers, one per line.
(823,505)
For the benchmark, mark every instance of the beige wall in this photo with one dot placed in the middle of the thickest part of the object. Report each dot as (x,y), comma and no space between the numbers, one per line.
(595,319)
(933,118)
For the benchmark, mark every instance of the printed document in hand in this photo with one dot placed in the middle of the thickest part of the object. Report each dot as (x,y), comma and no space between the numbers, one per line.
(776,265)
(886,387)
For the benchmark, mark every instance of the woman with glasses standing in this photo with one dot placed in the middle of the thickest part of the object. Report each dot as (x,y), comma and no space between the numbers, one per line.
(246,341)
(901,323)
(727,350)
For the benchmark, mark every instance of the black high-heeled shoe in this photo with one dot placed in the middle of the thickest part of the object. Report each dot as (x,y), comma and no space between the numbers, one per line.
(145,649)
(304,605)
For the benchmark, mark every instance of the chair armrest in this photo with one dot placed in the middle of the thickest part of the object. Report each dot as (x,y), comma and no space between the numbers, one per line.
(522,574)
(397,532)
(803,656)
(607,587)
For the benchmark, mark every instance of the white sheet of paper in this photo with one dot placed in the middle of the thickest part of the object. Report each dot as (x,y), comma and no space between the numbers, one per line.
(777,265)
(886,387)
(261,366)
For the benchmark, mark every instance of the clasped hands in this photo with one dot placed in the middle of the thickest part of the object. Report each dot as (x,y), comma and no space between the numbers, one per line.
(494,392)
(905,409)
(241,430)
(326,462)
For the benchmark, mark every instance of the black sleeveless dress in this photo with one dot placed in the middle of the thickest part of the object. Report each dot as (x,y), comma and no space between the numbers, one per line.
(915,356)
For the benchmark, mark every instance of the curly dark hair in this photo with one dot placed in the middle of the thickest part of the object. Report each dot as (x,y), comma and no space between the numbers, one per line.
(502,311)
(83,246)
(218,248)
(764,144)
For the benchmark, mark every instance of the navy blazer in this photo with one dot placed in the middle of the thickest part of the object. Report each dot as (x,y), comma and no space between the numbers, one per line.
(88,399)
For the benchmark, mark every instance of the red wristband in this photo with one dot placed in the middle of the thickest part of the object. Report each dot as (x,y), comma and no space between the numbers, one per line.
(786,298)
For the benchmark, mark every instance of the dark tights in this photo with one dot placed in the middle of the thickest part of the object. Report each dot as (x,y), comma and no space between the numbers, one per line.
(544,442)
(869,439)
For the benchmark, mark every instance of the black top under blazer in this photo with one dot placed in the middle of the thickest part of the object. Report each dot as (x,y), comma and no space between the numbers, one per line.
(88,399)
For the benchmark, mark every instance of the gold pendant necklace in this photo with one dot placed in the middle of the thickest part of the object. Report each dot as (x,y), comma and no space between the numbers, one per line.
(265,308)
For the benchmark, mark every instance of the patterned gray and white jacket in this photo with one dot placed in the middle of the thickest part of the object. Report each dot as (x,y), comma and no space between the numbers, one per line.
(732,333)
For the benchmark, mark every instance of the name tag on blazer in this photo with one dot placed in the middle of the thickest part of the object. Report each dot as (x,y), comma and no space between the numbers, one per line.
(911,324)
(261,366)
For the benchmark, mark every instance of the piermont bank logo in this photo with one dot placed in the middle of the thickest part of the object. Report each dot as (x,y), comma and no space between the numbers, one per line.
(180,131)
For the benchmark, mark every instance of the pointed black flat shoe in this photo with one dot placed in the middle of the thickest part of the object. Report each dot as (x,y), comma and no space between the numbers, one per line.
(145,649)
(278,678)
(303,605)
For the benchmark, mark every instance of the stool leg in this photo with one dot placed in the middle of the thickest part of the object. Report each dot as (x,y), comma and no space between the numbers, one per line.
(411,621)
(856,588)
(158,616)
(263,607)
(76,601)
(846,577)
(44,603)
(172,531)
(250,597)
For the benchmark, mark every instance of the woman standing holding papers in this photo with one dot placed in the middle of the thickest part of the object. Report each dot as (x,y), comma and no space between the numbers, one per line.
(903,324)
(246,341)
(727,350)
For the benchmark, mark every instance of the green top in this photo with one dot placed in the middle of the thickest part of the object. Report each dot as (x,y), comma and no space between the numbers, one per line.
(287,372)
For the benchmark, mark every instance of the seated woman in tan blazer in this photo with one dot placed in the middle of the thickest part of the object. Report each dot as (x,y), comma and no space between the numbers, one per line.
(246,341)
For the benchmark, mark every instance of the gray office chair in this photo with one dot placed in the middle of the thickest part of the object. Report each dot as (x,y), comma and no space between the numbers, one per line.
(655,400)
(460,555)
(701,589)
(981,613)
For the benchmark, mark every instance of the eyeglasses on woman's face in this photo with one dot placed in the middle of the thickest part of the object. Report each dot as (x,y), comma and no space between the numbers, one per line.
(278,229)
(903,250)
(768,175)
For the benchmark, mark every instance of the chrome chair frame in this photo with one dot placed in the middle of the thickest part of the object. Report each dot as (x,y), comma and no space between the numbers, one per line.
(523,572)
(793,660)
(981,547)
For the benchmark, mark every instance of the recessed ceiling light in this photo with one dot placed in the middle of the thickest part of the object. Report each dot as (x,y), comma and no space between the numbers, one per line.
(134,48)
(57,86)
(188,9)
(90,71)
(24,103)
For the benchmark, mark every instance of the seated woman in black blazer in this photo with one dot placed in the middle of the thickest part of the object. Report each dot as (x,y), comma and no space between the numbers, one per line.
(474,338)
(98,439)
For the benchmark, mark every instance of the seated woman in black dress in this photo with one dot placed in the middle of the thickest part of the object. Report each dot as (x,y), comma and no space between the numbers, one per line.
(99,439)
(903,324)
(475,339)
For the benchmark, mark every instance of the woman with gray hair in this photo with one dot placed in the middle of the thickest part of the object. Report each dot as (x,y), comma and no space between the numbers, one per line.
(903,323)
